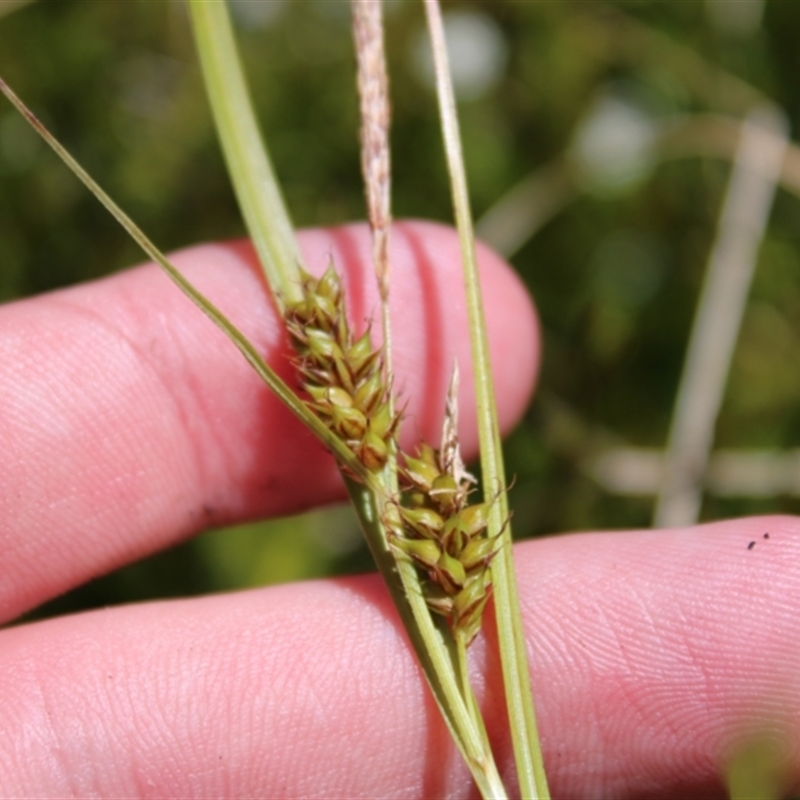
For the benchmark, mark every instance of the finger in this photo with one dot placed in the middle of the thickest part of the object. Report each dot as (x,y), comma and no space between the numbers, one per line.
(655,655)
(675,649)
(128,421)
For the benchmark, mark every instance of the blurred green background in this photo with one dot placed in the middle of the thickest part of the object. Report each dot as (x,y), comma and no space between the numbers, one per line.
(611,233)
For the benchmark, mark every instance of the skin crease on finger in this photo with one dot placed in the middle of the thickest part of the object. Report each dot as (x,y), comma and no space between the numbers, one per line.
(130,422)
(655,655)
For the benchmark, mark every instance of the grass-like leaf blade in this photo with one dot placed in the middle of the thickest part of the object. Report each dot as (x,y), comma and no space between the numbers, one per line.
(516,675)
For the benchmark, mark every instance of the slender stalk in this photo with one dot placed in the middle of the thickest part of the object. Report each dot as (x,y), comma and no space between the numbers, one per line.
(284,393)
(435,650)
(516,676)
(375,163)
(251,172)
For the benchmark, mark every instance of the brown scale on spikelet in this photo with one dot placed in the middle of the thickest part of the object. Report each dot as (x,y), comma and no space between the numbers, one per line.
(342,375)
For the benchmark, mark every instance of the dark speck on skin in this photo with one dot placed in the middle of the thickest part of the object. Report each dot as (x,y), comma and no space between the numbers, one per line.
(207,511)
(766,536)
(751,545)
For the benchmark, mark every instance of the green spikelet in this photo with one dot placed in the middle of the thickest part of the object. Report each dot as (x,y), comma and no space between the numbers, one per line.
(342,375)
(446,537)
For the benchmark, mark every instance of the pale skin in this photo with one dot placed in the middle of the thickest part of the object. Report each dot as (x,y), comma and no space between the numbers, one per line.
(128,423)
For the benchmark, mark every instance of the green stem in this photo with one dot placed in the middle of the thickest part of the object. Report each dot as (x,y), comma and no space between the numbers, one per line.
(251,171)
(516,676)
(434,646)
(466,684)
(432,642)
(268,222)
(343,453)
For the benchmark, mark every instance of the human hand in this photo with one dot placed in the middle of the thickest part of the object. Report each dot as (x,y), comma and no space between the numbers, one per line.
(128,422)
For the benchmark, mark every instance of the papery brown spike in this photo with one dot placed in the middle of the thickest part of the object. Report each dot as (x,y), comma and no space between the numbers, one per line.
(373,95)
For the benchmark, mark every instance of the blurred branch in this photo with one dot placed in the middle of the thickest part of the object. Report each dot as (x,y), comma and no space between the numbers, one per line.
(628,39)
(534,201)
(718,137)
(638,471)
(732,262)
(529,205)
(7,6)
(730,473)
(520,213)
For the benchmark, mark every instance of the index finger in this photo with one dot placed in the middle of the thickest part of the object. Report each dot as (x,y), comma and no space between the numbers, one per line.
(129,422)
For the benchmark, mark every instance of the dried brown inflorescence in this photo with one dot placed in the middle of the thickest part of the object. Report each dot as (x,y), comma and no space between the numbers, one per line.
(373,94)
(342,375)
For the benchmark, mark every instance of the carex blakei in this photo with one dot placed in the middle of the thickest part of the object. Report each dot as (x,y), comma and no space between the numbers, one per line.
(342,375)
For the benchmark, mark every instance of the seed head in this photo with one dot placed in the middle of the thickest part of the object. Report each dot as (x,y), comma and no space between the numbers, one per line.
(445,537)
(342,376)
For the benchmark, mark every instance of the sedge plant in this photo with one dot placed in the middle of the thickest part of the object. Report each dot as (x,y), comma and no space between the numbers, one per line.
(441,554)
